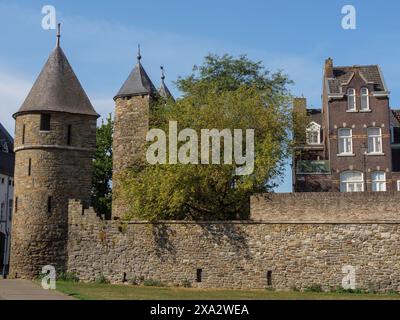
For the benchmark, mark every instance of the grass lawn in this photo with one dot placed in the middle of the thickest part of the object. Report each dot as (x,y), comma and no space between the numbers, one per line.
(94,291)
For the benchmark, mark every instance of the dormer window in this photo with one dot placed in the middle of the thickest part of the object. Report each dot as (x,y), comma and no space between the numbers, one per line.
(364,99)
(313,133)
(3,146)
(351,99)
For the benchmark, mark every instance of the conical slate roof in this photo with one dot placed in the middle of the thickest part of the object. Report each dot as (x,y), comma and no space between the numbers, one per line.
(164,91)
(57,89)
(137,84)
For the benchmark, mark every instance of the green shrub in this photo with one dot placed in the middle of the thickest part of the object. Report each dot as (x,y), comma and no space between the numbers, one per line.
(314,288)
(152,283)
(102,280)
(186,283)
(340,289)
(68,276)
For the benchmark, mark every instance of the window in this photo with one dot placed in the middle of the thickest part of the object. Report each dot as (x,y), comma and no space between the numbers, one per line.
(351,181)
(199,273)
(10,208)
(351,99)
(29,167)
(364,99)
(2,216)
(398,185)
(374,140)
(23,134)
(45,122)
(378,181)
(394,135)
(345,141)
(16,204)
(269,278)
(49,200)
(69,131)
(313,133)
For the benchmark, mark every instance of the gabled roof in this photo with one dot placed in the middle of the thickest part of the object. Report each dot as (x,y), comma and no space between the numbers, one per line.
(342,75)
(137,84)
(396,116)
(315,115)
(57,89)
(7,159)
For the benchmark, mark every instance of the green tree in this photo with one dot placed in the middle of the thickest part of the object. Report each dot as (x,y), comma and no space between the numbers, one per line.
(225,92)
(102,169)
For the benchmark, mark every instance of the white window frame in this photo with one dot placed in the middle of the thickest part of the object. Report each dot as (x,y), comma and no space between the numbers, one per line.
(376,142)
(351,94)
(344,141)
(315,128)
(364,97)
(354,181)
(378,183)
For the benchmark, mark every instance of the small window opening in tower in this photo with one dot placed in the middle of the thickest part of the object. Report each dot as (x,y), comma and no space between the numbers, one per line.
(49,203)
(45,122)
(69,133)
(23,134)
(29,167)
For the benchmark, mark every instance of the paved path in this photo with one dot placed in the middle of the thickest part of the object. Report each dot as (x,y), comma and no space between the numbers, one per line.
(27,290)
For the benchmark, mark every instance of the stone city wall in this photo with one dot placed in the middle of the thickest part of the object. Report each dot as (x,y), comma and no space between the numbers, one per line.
(242,255)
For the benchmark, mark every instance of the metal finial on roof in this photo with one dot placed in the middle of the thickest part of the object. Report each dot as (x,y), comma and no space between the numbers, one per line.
(58,34)
(162,73)
(139,56)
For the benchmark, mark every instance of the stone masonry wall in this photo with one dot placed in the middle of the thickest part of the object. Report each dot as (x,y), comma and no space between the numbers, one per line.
(326,207)
(234,254)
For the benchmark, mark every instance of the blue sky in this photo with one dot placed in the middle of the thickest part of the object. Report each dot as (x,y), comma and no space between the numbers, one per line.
(100,39)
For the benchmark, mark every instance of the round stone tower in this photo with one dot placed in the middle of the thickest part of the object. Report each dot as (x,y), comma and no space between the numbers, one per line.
(55,141)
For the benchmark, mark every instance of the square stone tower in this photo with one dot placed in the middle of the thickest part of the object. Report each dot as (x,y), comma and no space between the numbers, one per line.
(132,113)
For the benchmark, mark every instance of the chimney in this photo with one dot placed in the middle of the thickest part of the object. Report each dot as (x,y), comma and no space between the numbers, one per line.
(328,68)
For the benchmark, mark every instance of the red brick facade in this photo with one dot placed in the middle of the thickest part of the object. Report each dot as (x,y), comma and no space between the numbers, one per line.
(357,149)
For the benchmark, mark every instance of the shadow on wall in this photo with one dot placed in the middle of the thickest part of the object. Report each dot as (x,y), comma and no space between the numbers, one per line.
(230,233)
(163,240)
(221,234)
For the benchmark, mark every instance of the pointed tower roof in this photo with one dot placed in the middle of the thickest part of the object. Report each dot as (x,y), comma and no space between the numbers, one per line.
(164,91)
(57,89)
(138,82)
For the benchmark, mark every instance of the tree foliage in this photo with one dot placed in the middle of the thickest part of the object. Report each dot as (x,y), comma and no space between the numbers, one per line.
(223,93)
(102,169)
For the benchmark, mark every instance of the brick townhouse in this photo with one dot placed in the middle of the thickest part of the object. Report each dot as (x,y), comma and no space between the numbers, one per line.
(7,159)
(352,144)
